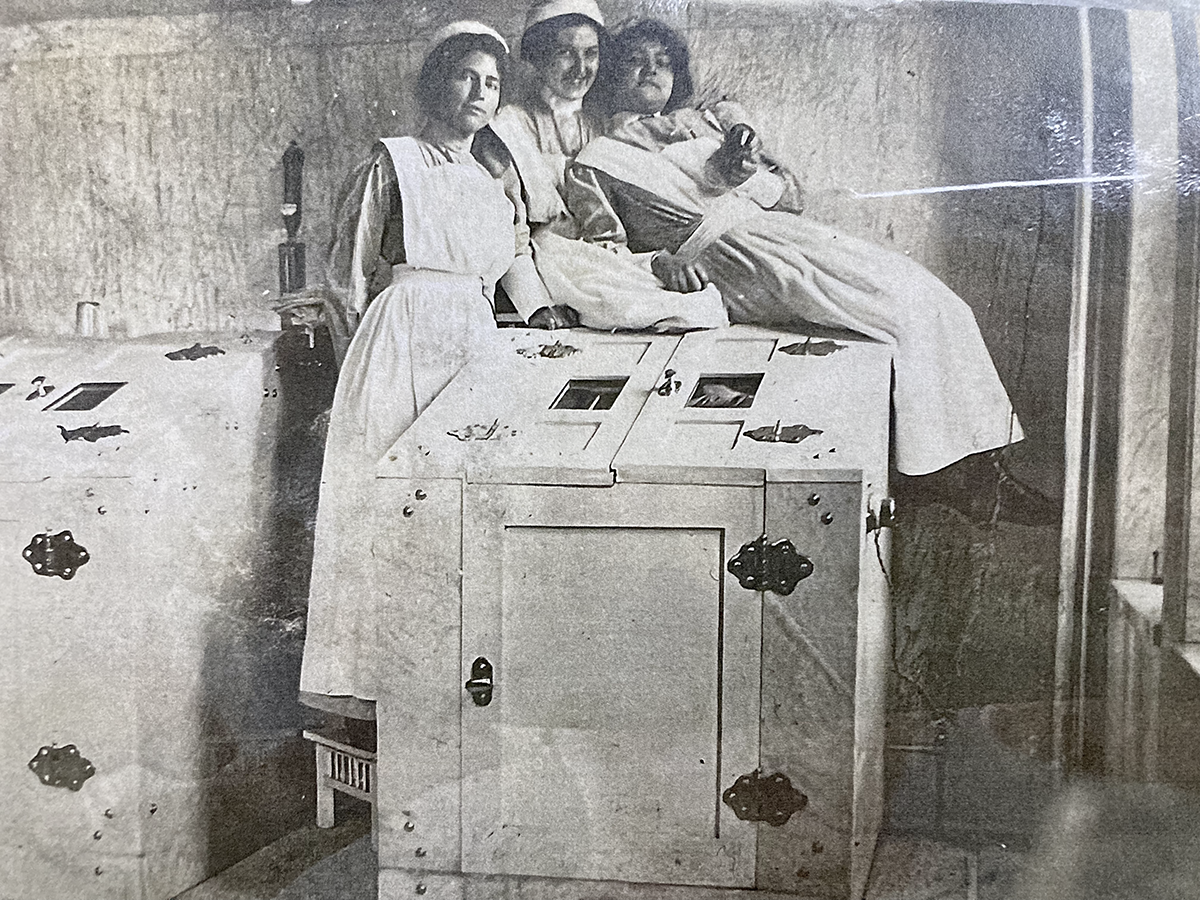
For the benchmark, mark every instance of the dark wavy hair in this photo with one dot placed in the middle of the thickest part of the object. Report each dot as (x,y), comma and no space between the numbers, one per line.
(538,42)
(620,44)
(441,63)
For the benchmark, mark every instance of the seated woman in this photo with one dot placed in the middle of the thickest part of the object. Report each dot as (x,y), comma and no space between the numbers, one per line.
(597,287)
(435,233)
(695,187)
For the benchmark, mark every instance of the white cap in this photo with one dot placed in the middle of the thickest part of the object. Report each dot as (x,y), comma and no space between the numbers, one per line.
(550,9)
(465,26)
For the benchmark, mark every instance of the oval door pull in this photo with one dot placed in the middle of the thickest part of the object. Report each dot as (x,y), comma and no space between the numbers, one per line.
(479,685)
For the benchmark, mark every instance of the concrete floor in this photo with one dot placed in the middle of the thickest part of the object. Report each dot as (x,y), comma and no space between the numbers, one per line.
(339,864)
(958,823)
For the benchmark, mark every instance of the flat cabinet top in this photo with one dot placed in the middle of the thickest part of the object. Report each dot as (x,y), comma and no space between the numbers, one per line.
(730,406)
(164,403)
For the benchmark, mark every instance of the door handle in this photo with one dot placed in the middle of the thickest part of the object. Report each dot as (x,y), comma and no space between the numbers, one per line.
(479,685)
(670,384)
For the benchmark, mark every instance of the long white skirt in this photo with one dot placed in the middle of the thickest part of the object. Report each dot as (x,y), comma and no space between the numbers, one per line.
(413,339)
(782,270)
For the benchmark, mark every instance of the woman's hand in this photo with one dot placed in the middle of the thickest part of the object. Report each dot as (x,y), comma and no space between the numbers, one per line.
(678,274)
(552,317)
(740,155)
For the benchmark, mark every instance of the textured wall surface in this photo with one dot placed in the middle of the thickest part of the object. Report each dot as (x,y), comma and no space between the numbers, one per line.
(140,167)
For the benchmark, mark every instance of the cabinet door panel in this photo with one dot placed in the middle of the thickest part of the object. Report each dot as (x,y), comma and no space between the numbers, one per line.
(609,739)
(752,401)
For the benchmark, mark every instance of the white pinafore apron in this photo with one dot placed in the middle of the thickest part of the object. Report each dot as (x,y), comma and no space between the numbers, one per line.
(414,337)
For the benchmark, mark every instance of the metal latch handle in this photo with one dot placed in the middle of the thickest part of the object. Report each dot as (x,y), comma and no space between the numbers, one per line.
(480,684)
(670,384)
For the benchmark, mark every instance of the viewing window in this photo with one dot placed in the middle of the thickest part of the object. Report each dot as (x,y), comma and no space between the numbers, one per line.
(725,391)
(87,395)
(589,393)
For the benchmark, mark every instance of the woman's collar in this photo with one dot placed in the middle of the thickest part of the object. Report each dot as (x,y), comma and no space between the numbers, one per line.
(625,118)
(557,105)
(452,146)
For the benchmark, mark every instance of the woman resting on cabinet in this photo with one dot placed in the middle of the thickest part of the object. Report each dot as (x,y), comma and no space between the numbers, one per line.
(695,187)
(563,44)
(437,230)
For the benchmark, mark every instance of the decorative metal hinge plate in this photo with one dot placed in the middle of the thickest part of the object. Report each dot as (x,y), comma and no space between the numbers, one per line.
(759,798)
(91,433)
(196,351)
(557,350)
(777,567)
(492,432)
(55,554)
(813,348)
(61,767)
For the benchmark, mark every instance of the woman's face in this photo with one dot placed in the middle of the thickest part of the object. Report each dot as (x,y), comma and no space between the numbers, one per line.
(472,94)
(570,67)
(644,78)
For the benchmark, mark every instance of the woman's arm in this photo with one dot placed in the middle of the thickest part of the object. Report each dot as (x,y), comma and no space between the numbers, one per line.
(379,237)
(598,223)
(595,219)
(770,183)
(521,282)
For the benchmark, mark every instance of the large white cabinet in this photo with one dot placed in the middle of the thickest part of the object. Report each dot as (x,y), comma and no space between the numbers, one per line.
(604,676)
(152,656)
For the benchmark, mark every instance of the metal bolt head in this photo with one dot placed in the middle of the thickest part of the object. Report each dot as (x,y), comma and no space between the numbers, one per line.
(410,826)
(421,887)
(407,512)
(420,494)
(814,499)
(827,518)
(420,853)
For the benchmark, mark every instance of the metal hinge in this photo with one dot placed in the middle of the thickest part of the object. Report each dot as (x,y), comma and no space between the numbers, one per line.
(764,798)
(777,567)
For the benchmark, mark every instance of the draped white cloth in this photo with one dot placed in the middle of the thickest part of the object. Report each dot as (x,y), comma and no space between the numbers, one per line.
(783,269)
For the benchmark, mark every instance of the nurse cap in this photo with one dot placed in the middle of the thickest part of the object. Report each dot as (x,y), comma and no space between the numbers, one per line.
(551,9)
(465,26)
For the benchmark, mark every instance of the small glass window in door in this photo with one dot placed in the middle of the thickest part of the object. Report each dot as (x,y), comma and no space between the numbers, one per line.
(589,393)
(87,395)
(725,391)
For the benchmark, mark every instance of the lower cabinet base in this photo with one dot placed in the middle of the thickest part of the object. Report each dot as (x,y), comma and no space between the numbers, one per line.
(403,884)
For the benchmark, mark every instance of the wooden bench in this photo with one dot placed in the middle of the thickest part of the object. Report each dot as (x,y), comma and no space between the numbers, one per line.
(342,767)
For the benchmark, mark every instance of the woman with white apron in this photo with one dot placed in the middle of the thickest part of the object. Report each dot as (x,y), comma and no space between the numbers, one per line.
(436,231)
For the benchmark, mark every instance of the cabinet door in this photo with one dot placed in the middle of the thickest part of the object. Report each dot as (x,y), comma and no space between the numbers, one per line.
(751,401)
(625,663)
